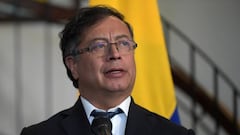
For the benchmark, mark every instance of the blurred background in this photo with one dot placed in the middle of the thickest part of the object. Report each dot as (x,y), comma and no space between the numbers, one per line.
(203,44)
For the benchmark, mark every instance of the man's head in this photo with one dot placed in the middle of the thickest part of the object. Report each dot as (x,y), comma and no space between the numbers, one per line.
(98,50)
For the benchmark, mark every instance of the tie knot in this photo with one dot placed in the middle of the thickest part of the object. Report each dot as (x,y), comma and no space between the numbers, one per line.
(108,115)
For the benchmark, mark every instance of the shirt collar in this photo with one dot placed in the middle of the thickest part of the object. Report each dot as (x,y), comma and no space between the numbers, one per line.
(89,107)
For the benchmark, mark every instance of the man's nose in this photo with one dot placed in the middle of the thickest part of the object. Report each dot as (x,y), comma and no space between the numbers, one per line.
(113,52)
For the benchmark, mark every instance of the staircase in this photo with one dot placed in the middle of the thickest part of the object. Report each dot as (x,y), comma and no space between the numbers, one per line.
(187,82)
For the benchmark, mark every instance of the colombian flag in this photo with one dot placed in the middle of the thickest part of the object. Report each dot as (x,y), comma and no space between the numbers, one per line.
(154,87)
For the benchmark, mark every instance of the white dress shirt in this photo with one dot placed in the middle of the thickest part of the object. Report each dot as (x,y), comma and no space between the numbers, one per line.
(118,121)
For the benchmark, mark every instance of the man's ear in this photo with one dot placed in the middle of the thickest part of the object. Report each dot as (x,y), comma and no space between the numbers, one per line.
(72,66)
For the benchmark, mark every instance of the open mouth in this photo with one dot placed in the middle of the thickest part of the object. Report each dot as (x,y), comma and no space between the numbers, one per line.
(114,72)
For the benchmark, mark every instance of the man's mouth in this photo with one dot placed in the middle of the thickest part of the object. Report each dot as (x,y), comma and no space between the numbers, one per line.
(114,72)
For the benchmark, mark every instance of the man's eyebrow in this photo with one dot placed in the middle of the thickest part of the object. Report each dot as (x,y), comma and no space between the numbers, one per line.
(121,36)
(98,38)
(106,39)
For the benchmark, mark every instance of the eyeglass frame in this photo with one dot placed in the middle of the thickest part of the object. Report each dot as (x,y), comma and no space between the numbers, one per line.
(88,48)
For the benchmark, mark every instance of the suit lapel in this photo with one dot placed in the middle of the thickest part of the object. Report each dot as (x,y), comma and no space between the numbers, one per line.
(77,123)
(136,122)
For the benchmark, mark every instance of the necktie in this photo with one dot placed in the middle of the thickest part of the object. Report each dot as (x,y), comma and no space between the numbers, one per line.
(101,124)
(108,115)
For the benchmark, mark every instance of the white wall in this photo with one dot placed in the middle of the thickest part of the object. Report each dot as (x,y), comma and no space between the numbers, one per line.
(25,95)
(213,25)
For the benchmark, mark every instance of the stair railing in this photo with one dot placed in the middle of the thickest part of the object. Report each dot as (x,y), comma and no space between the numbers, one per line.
(217,75)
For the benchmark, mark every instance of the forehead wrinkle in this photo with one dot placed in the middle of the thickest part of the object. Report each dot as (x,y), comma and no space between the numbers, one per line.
(110,36)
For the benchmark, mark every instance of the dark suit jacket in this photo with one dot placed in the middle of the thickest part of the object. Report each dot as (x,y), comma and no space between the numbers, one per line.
(73,121)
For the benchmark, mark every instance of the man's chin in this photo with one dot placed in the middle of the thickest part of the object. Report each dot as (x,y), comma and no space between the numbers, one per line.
(116,89)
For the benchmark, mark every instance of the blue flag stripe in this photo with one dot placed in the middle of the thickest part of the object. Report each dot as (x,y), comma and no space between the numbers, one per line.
(175,117)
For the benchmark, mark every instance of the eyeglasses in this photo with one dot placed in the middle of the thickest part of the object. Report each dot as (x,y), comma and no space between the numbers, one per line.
(101,47)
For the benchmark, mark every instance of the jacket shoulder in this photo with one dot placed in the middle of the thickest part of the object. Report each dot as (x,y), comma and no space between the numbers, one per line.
(158,124)
(49,126)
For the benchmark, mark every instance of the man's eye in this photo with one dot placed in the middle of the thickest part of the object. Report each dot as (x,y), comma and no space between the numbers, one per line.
(124,43)
(98,45)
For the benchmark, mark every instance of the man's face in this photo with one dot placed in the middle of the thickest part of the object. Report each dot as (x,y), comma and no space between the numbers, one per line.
(110,73)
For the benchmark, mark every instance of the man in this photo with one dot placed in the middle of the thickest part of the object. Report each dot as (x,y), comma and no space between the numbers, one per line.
(98,52)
